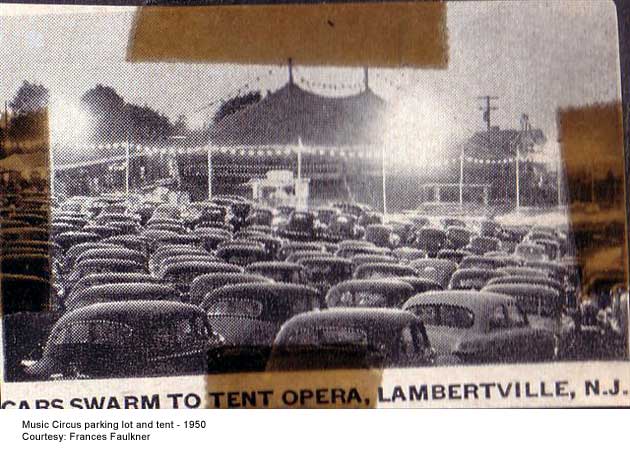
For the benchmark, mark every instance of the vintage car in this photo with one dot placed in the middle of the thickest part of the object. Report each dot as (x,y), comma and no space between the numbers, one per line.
(383,270)
(348,249)
(105,265)
(173,260)
(529,251)
(528,280)
(480,245)
(359,260)
(490,228)
(167,211)
(431,240)
(248,317)
(458,237)
(372,293)
(452,222)
(183,273)
(356,210)
(408,254)
(472,278)
(545,309)
(242,253)
(326,215)
(212,237)
(204,211)
(480,327)
(552,269)
(172,250)
(130,241)
(420,284)
(381,235)
(120,253)
(301,226)
(343,227)
(437,270)
(293,246)
(481,262)
(127,339)
(207,283)
(270,243)
(70,238)
(279,271)
(455,255)
(134,291)
(323,272)
(260,216)
(298,256)
(351,339)
(108,278)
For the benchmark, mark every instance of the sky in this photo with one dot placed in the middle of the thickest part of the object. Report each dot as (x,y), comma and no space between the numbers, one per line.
(534,56)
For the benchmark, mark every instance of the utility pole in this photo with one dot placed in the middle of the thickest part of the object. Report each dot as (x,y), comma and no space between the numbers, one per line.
(461,178)
(487,109)
(299,173)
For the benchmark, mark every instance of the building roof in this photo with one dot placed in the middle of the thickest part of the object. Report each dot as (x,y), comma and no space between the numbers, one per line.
(290,113)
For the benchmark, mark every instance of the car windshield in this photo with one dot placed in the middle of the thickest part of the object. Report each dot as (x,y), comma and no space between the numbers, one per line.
(445,315)
(365,300)
(321,272)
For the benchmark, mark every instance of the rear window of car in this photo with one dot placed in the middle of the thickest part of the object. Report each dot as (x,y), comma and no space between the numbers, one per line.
(241,307)
(179,333)
(328,336)
(445,316)
(92,332)
(364,299)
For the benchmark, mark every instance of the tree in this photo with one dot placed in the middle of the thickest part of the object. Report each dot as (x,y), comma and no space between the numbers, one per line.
(115,120)
(236,104)
(30,98)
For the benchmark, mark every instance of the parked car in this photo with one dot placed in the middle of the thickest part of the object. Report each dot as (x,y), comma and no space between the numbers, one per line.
(480,245)
(435,269)
(458,237)
(351,338)
(279,271)
(545,309)
(383,270)
(108,278)
(472,278)
(480,327)
(127,339)
(381,236)
(183,273)
(134,291)
(323,272)
(481,262)
(431,240)
(387,293)
(242,253)
(207,283)
(248,317)
(530,252)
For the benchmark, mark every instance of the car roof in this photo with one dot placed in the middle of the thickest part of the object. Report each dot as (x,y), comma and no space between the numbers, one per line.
(130,311)
(522,289)
(373,318)
(374,285)
(476,301)
(257,289)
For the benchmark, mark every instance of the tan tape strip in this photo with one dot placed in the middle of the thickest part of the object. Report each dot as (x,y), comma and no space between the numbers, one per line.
(591,143)
(387,35)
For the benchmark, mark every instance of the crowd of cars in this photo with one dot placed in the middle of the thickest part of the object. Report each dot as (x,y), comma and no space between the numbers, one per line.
(150,288)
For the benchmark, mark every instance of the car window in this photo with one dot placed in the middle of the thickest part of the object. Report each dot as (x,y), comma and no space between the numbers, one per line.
(178,333)
(446,316)
(328,336)
(515,316)
(92,332)
(237,307)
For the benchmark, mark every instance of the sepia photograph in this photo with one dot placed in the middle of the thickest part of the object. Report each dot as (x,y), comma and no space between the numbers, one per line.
(165,217)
